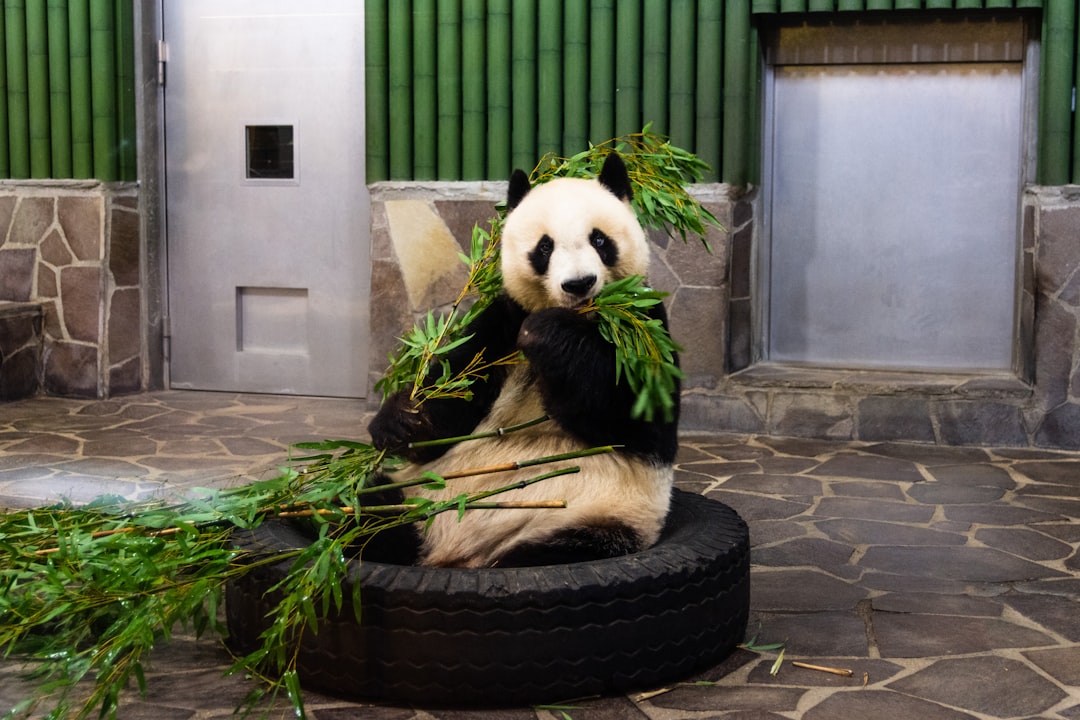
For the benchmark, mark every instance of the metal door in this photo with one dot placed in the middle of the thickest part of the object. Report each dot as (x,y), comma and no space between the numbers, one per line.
(895,193)
(266,202)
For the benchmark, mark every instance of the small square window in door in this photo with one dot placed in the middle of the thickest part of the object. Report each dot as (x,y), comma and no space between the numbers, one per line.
(270,152)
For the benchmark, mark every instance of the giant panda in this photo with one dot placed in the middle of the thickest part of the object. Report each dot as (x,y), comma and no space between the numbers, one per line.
(561,242)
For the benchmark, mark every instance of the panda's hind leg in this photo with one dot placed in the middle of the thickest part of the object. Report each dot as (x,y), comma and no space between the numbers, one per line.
(577,544)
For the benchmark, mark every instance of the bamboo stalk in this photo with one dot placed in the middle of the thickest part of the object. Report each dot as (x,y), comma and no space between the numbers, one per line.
(473,97)
(4,162)
(449,88)
(654,66)
(103,90)
(59,89)
(425,101)
(575,79)
(710,71)
(737,92)
(82,129)
(498,88)
(1055,115)
(523,63)
(681,96)
(17,90)
(549,51)
(37,79)
(400,90)
(376,103)
(628,67)
(602,69)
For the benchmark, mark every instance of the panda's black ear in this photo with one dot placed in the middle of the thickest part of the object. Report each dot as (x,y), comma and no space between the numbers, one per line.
(519,188)
(614,177)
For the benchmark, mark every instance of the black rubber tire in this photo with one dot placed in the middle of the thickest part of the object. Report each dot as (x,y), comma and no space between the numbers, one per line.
(520,636)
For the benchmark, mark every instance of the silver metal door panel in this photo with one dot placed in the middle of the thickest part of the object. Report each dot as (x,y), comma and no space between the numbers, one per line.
(894,215)
(267,208)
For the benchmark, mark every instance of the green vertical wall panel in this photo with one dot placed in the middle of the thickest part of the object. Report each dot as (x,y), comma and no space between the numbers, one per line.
(571,71)
(575,75)
(18,90)
(710,73)
(524,110)
(425,99)
(498,91)
(1059,49)
(103,89)
(449,81)
(682,78)
(473,112)
(60,89)
(376,96)
(737,89)
(37,81)
(601,70)
(627,67)
(654,76)
(549,51)
(4,164)
(82,126)
(399,33)
(127,161)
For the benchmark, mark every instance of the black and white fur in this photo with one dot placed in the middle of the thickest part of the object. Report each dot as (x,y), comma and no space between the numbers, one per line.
(561,242)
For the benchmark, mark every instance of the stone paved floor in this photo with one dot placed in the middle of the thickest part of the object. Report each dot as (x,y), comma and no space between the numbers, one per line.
(946,579)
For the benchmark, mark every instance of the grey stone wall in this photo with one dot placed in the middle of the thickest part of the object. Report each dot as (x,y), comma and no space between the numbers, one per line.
(73,247)
(712,311)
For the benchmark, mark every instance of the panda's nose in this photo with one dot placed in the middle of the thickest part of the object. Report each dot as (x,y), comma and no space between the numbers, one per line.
(579,286)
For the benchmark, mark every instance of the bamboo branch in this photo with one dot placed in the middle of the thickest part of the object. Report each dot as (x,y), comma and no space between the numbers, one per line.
(390,509)
(834,671)
(497,432)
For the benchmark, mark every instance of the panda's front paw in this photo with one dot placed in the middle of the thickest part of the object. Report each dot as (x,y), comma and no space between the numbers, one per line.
(550,329)
(398,423)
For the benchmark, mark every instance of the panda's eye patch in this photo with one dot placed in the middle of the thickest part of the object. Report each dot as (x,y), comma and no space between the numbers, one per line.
(540,256)
(605,248)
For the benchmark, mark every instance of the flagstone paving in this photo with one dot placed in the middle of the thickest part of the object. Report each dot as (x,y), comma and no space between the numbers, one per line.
(946,579)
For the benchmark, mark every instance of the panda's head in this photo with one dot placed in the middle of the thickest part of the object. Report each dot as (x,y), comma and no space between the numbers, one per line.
(565,239)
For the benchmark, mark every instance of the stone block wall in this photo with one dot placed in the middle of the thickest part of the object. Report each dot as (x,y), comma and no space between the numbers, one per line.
(73,247)
(419,228)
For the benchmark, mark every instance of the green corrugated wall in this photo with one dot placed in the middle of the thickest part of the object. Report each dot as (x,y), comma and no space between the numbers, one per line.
(67,89)
(564,72)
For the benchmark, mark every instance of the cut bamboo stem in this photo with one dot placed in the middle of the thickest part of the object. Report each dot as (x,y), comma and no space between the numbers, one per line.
(497,432)
(834,671)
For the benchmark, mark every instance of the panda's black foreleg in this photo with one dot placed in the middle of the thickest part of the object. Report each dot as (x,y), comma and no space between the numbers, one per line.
(577,544)
(403,419)
(575,369)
